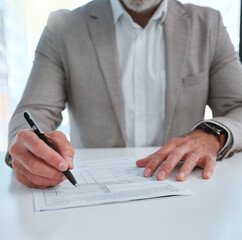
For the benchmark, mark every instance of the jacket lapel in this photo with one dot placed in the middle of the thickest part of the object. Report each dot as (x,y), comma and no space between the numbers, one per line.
(102,31)
(177,35)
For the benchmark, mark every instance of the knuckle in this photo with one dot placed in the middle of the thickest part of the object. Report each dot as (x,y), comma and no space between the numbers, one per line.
(159,154)
(212,158)
(174,141)
(38,147)
(171,163)
(155,162)
(58,134)
(14,164)
(19,177)
(36,180)
(34,168)
(191,142)
(69,148)
(57,176)
(193,160)
(13,150)
(53,159)
(153,165)
(21,134)
(167,167)
(193,156)
(177,152)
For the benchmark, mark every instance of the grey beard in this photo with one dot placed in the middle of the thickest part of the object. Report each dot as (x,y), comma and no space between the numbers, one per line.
(140,5)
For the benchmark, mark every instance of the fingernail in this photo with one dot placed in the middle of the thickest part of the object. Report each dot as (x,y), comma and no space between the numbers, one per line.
(161,175)
(70,160)
(207,174)
(181,175)
(147,172)
(62,166)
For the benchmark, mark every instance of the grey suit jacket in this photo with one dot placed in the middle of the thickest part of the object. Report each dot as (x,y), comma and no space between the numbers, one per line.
(77,63)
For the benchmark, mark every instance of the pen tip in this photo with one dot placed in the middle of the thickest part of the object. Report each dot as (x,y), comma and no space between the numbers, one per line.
(76,185)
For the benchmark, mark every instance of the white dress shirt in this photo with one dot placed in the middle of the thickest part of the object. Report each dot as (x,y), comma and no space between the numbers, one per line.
(142,63)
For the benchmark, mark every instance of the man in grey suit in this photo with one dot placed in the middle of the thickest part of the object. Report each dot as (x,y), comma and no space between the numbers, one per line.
(133,73)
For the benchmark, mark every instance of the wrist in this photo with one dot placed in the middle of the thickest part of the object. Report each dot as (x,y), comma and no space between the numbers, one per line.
(223,134)
(210,138)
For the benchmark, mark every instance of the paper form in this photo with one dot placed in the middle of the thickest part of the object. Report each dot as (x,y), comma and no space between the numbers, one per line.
(105,181)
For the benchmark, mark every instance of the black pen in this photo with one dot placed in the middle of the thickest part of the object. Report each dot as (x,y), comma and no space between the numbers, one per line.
(41,135)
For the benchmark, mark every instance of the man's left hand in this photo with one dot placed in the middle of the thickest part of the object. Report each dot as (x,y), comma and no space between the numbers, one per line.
(197,148)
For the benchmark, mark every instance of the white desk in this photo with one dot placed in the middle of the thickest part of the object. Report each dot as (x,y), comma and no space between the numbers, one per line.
(214,212)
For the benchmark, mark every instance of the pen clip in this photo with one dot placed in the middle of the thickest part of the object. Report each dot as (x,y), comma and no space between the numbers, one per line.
(34,126)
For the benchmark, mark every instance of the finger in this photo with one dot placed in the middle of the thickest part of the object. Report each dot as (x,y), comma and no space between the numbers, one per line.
(160,156)
(22,179)
(154,163)
(210,164)
(175,156)
(25,159)
(144,161)
(35,182)
(40,149)
(190,162)
(63,146)
(38,172)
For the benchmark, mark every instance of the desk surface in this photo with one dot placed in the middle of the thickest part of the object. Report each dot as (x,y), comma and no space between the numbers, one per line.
(214,212)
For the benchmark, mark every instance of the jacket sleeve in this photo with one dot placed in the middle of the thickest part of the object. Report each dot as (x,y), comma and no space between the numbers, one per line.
(45,93)
(225,89)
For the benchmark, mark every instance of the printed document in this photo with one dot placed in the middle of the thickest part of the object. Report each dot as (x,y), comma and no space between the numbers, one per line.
(105,181)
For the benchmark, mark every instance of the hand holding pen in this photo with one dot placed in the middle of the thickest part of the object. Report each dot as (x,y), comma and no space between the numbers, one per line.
(38,165)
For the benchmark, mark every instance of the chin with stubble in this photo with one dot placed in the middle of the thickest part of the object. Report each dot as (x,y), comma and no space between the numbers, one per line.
(141,5)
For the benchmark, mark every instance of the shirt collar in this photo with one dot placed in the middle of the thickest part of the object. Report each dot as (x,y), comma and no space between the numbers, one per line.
(118,11)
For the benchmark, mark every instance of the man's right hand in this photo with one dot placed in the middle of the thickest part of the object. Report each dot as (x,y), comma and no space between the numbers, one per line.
(36,164)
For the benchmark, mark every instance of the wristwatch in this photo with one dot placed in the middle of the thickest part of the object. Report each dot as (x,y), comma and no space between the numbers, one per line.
(224,135)
(211,128)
